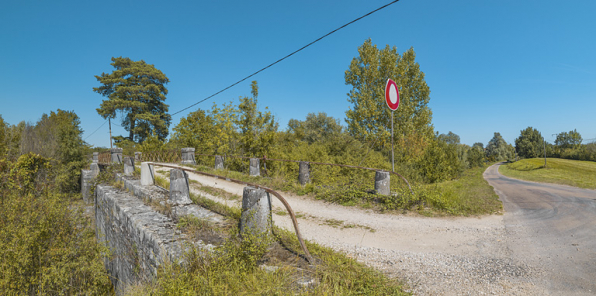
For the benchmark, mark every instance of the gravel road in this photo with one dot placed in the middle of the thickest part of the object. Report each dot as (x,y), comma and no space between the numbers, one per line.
(434,256)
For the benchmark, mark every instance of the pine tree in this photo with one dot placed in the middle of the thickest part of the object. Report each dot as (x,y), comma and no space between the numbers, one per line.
(138,91)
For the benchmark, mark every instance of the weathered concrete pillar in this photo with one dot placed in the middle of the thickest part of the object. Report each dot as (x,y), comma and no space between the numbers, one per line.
(188,156)
(147,174)
(94,167)
(129,166)
(382,183)
(138,156)
(86,183)
(179,192)
(116,155)
(219,162)
(256,211)
(87,177)
(255,167)
(95,157)
(304,172)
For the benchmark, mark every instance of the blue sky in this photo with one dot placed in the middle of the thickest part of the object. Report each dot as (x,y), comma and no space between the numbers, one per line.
(492,66)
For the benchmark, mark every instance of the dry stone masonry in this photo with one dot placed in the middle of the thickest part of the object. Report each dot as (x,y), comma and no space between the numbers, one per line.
(141,239)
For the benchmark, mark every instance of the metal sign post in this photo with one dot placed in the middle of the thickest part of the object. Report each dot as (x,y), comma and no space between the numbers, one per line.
(392,100)
(392,161)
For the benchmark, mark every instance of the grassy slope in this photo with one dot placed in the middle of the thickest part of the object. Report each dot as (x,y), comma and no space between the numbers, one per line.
(559,171)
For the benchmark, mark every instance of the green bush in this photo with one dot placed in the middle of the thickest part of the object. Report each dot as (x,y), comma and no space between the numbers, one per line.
(47,245)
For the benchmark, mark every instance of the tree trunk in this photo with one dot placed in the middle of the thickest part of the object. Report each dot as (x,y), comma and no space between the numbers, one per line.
(132,127)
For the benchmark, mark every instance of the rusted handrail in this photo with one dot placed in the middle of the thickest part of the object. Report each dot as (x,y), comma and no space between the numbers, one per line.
(269,190)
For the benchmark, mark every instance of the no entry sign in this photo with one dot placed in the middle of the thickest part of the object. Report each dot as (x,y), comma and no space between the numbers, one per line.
(391,95)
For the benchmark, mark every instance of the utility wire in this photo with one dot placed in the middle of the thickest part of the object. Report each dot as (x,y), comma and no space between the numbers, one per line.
(287,56)
(95,130)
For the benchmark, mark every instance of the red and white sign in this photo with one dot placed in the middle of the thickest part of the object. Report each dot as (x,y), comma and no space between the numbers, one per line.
(391,95)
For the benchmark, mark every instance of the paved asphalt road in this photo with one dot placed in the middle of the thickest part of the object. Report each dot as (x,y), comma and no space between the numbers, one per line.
(551,226)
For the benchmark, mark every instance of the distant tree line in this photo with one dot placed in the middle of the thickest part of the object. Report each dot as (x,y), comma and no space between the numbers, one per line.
(567,145)
(136,90)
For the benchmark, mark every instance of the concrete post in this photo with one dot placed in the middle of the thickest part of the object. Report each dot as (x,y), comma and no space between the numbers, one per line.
(94,169)
(256,211)
(188,156)
(219,162)
(138,156)
(179,192)
(95,157)
(304,172)
(147,174)
(116,155)
(86,183)
(255,167)
(382,183)
(129,166)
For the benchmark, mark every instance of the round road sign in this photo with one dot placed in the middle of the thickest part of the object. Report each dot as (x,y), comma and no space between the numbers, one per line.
(391,95)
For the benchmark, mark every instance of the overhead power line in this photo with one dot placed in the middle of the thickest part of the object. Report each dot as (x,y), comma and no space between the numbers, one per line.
(287,56)
(95,130)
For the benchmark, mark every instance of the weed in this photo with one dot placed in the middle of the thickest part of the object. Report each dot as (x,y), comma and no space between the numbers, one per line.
(280,212)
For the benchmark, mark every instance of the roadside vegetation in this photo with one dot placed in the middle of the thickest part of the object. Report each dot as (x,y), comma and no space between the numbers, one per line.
(260,266)
(47,242)
(423,156)
(559,171)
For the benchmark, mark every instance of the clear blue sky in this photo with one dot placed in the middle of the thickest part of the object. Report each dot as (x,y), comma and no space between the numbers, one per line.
(492,66)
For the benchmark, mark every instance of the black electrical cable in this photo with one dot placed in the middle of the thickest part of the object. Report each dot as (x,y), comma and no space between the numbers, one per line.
(287,56)
(95,130)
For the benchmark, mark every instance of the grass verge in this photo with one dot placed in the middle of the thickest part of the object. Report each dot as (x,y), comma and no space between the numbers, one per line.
(468,195)
(576,173)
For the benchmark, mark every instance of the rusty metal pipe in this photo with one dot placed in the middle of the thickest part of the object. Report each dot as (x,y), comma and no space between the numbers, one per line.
(269,190)
(329,164)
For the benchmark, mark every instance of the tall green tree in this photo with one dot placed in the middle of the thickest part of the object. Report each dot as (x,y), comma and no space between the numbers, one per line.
(136,90)
(529,144)
(369,117)
(3,142)
(58,137)
(196,130)
(316,127)
(450,138)
(257,129)
(571,139)
(475,156)
(225,119)
(497,149)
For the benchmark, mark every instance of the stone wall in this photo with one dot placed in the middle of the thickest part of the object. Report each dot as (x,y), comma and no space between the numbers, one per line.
(139,238)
